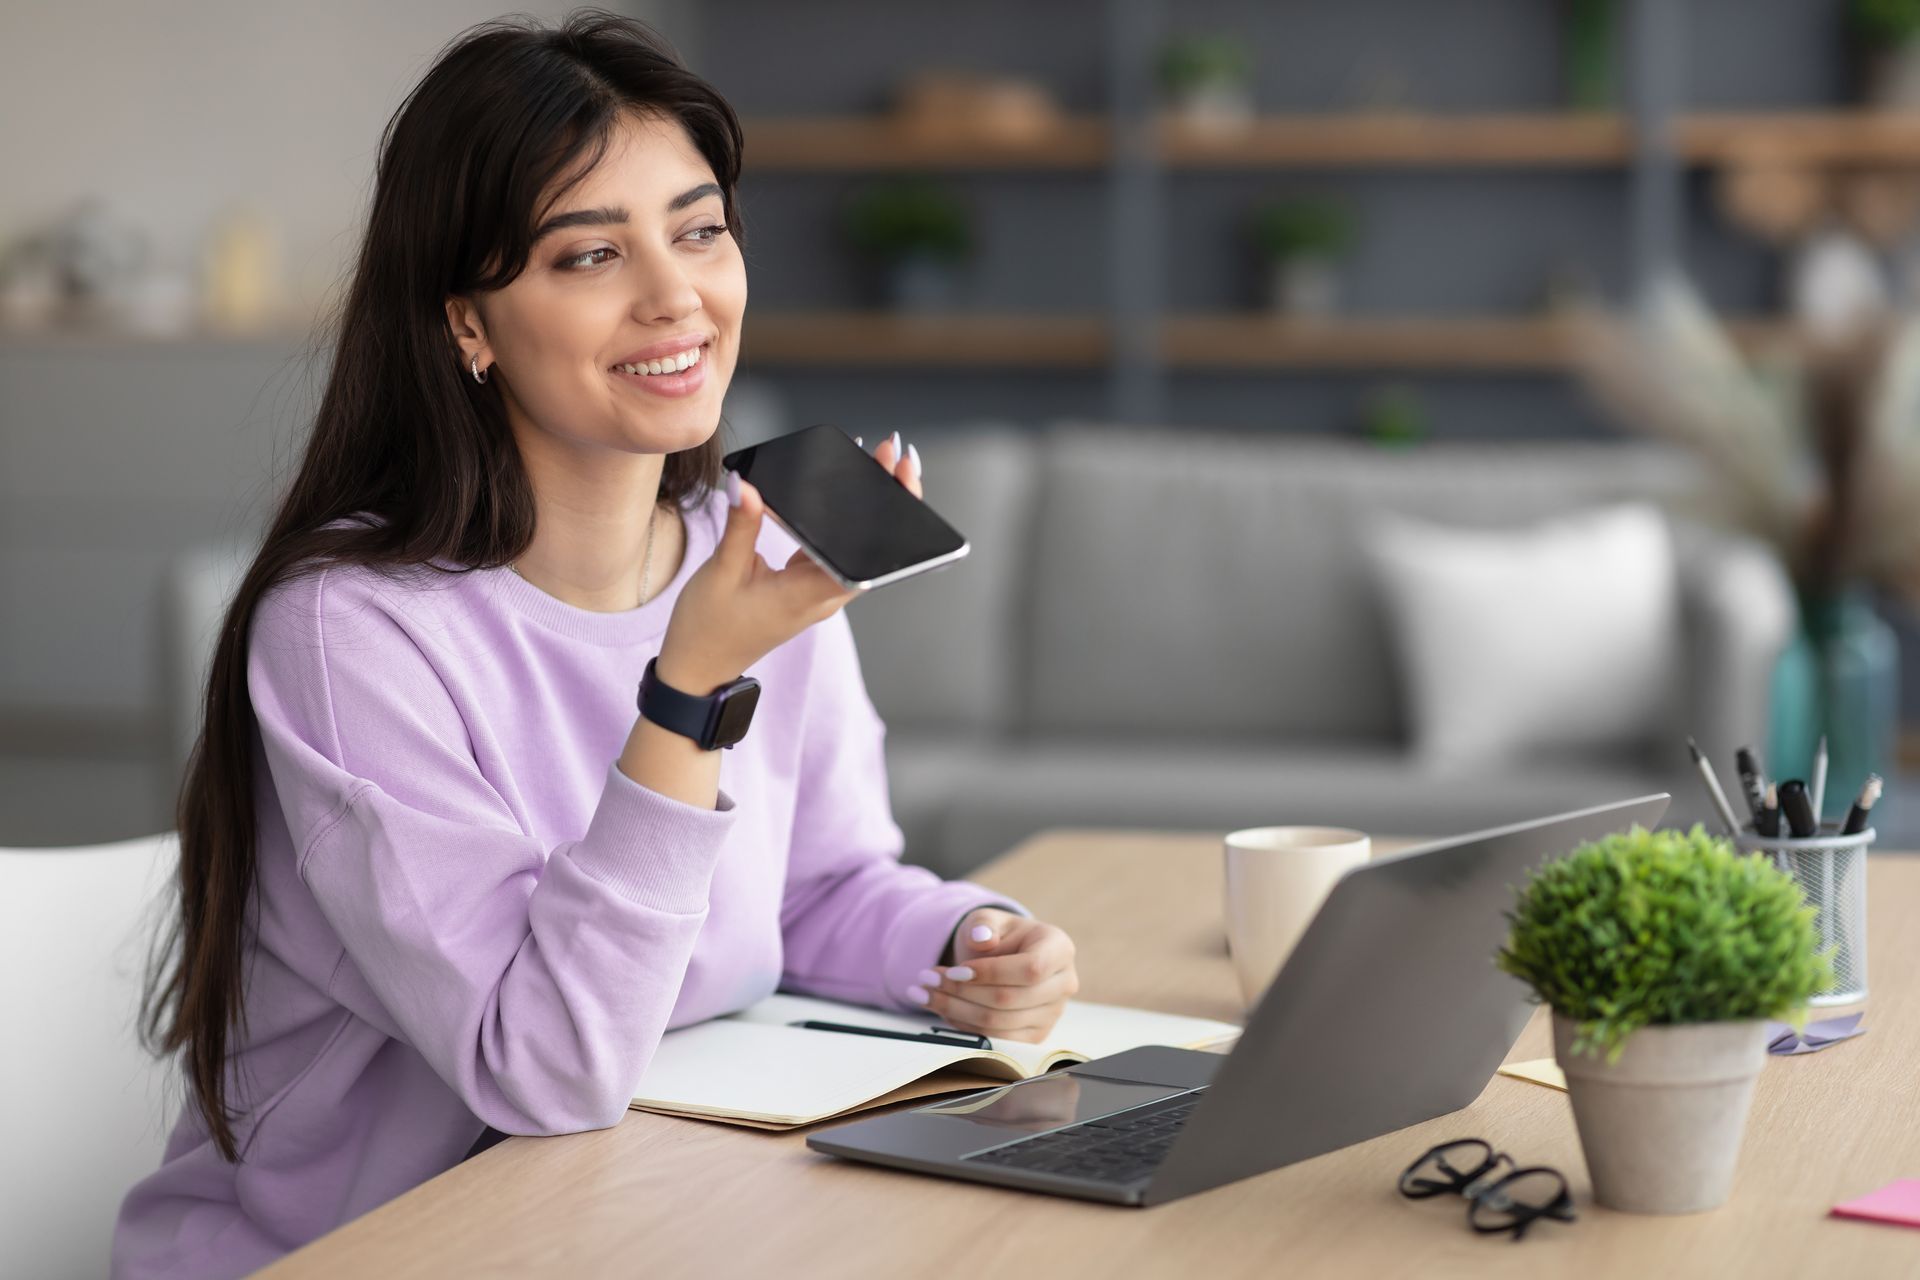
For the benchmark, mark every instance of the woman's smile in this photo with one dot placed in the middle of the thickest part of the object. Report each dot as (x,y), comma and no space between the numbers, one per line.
(682,382)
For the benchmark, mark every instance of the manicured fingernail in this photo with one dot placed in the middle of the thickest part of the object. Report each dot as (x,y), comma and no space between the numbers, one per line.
(981,933)
(929,978)
(895,439)
(913,453)
(960,973)
(733,488)
(917,994)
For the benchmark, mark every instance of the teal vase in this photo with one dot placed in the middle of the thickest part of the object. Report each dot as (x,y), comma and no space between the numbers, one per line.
(1840,675)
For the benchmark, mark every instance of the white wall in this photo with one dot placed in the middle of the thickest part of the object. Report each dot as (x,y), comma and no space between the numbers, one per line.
(172,112)
(119,454)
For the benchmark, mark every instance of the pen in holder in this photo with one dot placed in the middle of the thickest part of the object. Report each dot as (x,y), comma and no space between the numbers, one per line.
(1831,870)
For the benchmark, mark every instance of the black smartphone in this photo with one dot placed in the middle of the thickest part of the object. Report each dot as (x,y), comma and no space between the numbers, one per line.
(858,522)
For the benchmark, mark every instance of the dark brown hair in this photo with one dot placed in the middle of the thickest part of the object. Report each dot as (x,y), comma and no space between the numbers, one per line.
(509,112)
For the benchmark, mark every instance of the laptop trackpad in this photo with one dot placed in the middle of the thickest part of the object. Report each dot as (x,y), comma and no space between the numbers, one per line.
(1042,1103)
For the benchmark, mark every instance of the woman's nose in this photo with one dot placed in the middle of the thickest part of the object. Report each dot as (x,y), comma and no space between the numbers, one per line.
(662,290)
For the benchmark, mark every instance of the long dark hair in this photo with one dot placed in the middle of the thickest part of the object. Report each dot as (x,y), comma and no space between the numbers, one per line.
(508,110)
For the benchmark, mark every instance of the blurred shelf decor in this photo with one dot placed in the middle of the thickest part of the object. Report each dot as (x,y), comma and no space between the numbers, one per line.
(1885,40)
(917,232)
(1301,241)
(1816,449)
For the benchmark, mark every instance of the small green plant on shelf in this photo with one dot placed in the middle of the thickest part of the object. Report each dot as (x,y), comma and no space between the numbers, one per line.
(1206,80)
(1653,928)
(1192,63)
(1394,418)
(1304,228)
(1299,241)
(1589,54)
(906,218)
(1885,39)
(1885,24)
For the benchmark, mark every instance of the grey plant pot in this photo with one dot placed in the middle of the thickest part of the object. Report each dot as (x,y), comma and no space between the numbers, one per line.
(921,284)
(1893,77)
(1661,1128)
(1304,286)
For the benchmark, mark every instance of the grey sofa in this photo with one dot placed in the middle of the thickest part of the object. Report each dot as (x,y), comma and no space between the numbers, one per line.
(1177,629)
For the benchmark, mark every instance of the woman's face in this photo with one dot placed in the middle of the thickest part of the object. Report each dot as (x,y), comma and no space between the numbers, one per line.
(635,256)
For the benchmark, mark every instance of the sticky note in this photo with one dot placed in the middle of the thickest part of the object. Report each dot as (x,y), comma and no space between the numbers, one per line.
(1897,1202)
(1539,1070)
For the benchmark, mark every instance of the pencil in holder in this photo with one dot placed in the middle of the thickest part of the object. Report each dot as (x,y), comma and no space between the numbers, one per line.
(1831,870)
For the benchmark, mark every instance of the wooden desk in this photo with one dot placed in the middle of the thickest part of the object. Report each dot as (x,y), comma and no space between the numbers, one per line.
(659,1195)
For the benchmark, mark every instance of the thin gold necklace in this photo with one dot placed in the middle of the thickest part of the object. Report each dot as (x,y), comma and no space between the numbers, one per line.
(646,568)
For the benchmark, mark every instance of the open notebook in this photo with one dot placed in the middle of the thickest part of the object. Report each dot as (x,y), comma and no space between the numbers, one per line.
(751,1068)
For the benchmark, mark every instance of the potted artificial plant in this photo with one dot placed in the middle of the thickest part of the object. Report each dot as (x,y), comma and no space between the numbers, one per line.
(1886,40)
(1301,243)
(1207,81)
(916,230)
(1662,955)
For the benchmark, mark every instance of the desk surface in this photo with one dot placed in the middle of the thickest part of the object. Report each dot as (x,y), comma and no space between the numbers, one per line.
(670,1196)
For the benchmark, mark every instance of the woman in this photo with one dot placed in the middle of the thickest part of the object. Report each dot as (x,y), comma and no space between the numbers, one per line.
(437,874)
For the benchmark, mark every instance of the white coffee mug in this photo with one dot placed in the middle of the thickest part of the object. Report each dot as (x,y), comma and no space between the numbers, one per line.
(1276,879)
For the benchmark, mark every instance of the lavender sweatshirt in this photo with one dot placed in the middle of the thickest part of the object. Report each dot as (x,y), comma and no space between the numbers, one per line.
(470,917)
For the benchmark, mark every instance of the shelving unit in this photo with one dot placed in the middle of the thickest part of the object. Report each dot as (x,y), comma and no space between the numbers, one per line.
(1256,340)
(850,144)
(1192,341)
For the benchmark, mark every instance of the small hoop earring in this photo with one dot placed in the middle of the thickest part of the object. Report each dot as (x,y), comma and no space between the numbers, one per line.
(474,364)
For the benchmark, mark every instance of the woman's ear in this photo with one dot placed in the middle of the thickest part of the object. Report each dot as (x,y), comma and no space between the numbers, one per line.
(469,331)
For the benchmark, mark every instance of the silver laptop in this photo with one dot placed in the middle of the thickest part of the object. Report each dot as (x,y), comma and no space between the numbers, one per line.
(1388,1012)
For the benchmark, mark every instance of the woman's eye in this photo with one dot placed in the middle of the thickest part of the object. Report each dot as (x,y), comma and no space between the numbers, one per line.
(710,235)
(573,261)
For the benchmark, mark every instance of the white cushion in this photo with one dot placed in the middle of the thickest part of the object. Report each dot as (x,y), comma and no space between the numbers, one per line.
(1562,636)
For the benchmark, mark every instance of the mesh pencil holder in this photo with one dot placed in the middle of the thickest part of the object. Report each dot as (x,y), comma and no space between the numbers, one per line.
(1831,870)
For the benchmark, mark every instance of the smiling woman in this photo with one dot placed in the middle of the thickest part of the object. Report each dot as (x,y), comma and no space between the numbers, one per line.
(632,264)
(438,881)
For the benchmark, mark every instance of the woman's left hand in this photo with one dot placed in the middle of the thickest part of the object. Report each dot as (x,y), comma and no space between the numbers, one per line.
(1012,983)
(903,460)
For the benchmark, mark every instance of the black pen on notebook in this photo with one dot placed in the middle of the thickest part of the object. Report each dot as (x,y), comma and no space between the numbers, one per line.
(1719,797)
(1857,816)
(939,1035)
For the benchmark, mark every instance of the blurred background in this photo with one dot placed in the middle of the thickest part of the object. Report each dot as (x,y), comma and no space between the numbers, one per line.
(1383,414)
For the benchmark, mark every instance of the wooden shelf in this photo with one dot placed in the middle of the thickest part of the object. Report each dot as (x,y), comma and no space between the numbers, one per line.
(1809,137)
(1403,139)
(1196,341)
(1343,140)
(1215,341)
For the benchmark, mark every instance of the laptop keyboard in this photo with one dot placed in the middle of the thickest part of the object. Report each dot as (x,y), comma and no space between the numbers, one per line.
(1119,1148)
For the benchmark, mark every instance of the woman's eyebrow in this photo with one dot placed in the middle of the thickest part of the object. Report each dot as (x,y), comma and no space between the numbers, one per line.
(609,216)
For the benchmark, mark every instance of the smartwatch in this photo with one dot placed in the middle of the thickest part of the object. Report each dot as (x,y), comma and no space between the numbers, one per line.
(718,719)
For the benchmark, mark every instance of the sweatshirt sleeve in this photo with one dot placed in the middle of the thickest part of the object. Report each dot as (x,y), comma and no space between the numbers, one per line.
(857,923)
(536,981)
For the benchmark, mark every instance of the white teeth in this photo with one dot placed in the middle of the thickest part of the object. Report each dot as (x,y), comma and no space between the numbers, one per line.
(671,364)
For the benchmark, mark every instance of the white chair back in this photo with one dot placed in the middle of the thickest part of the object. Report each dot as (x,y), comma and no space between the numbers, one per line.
(87,1109)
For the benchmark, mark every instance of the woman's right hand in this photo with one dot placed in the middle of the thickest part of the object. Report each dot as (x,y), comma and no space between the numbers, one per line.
(736,608)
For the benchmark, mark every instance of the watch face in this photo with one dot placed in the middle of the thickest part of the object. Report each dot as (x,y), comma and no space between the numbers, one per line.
(736,713)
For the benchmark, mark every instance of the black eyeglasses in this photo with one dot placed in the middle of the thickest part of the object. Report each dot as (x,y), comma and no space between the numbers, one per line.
(1502,1196)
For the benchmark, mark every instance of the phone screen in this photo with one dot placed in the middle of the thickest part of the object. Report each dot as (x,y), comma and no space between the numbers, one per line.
(843,507)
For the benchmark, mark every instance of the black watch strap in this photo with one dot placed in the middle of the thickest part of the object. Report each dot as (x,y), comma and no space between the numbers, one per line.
(715,720)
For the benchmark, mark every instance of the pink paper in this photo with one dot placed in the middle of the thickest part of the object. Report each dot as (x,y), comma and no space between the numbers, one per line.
(1897,1202)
